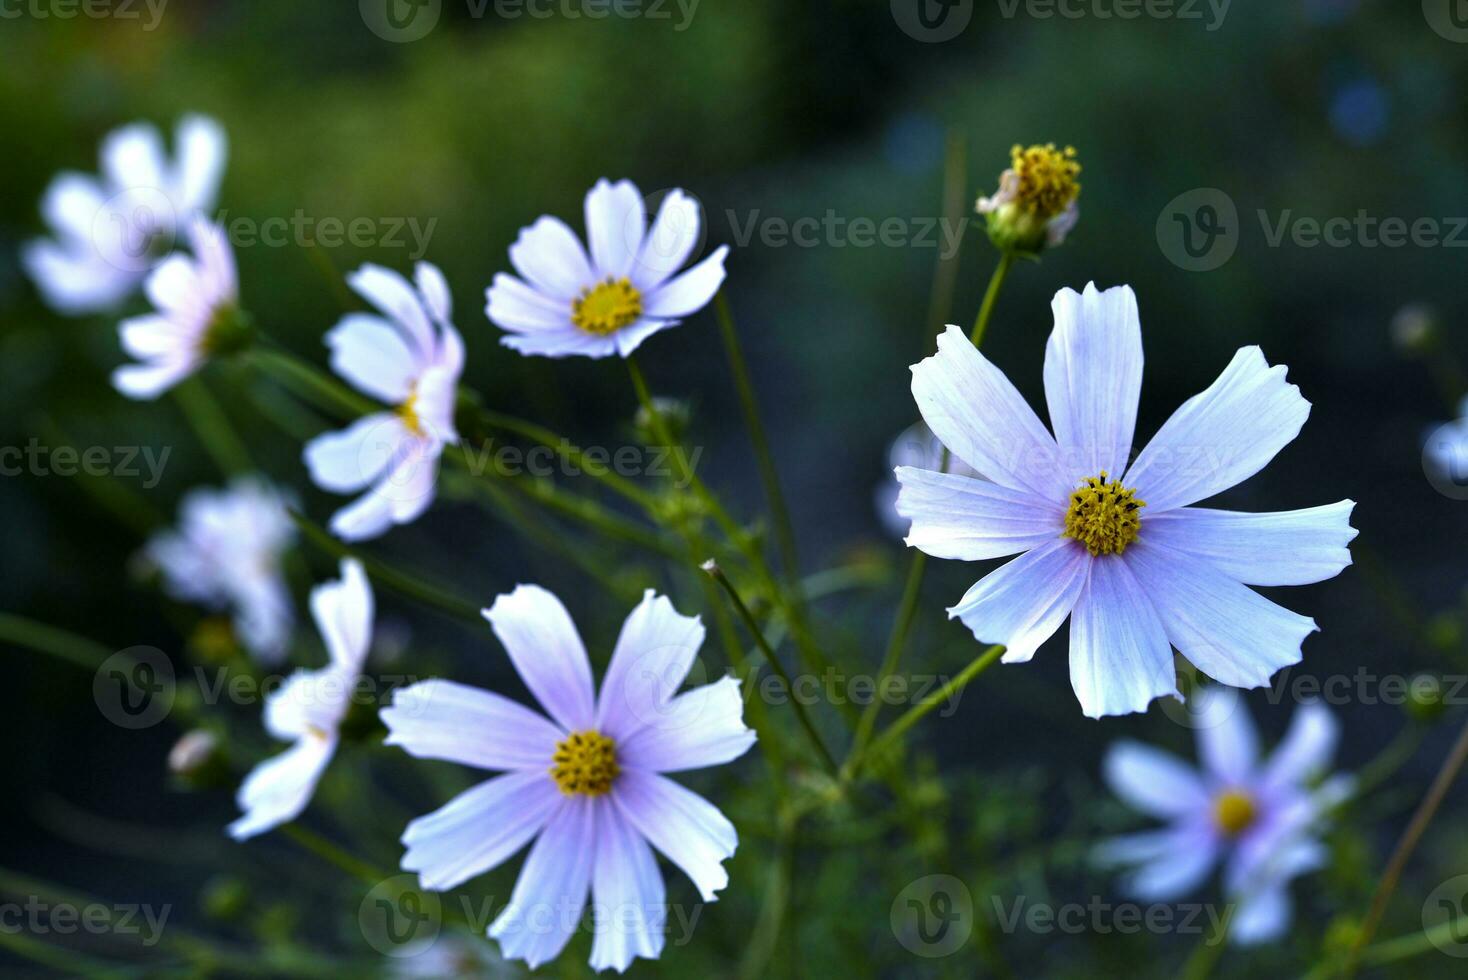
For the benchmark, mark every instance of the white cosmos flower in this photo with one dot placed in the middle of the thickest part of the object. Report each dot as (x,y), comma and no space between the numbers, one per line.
(586,784)
(196,314)
(608,302)
(226,553)
(1116,547)
(409,357)
(308,708)
(1260,819)
(109,230)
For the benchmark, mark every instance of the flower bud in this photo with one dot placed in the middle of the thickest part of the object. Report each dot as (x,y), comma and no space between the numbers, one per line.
(1035,206)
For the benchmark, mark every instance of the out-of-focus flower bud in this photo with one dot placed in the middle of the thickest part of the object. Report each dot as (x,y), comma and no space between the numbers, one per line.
(1035,206)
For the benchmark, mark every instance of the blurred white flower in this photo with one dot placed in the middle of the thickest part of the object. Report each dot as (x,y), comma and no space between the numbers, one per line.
(1116,547)
(1261,819)
(226,553)
(1446,448)
(608,302)
(110,230)
(197,315)
(586,784)
(309,707)
(409,357)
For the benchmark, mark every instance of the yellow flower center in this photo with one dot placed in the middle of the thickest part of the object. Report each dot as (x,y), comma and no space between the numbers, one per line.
(607,307)
(1234,811)
(408,412)
(1047,178)
(1103,516)
(585,763)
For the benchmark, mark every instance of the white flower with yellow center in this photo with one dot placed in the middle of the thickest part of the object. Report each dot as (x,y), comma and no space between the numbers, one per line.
(410,358)
(568,302)
(1262,819)
(197,316)
(308,709)
(586,784)
(112,229)
(1117,547)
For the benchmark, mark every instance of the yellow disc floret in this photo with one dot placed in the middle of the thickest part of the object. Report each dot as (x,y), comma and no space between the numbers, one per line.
(1047,178)
(1103,516)
(607,307)
(1234,811)
(585,764)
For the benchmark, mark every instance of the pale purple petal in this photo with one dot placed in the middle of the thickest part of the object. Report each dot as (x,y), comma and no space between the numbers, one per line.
(1228,744)
(1166,864)
(200,149)
(1154,782)
(549,257)
(698,728)
(538,634)
(627,894)
(479,829)
(545,907)
(688,829)
(674,233)
(1093,378)
(960,517)
(395,298)
(1295,547)
(615,221)
(513,305)
(1307,748)
(690,291)
(1120,659)
(374,357)
(630,337)
(1023,603)
(653,655)
(438,719)
(278,789)
(350,459)
(343,611)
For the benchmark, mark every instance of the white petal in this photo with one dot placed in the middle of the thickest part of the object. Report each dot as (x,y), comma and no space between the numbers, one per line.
(1093,378)
(1261,917)
(479,829)
(548,256)
(394,297)
(374,357)
(1228,744)
(1119,656)
(1169,863)
(627,894)
(438,719)
(974,411)
(200,148)
(688,829)
(148,381)
(569,342)
(698,728)
(399,497)
(434,289)
(1220,437)
(343,611)
(630,337)
(153,336)
(615,221)
(132,156)
(311,703)
(175,287)
(1293,547)
(513,305)
(674,233)
(71,206)
(1226,630)
(1023,603)
(75,280)
(960,517)
(350,459)
(1154,782)
(278,789)
(550,894)
(653,655)
(689,292)
(1307,748)
(538,634)
(438,393)
(215,260)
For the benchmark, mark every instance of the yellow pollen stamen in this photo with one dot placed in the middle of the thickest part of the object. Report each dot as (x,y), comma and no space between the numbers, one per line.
(607,307)
(408,412)
(1047,178)
(1103,516)
(1234,811)
(585,763)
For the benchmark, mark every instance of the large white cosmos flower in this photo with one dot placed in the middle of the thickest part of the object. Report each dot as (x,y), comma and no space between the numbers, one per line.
(110,230)
(1116,547)
(568,302)
(585,784)
(226,552)
(308,709)
(409,357)
(1262,819)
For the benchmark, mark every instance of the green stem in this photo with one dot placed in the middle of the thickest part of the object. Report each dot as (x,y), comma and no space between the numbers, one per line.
(919,711)
(769,654)
(334,854)
(212,427)
(312,384)
(991,296)
(57,642)
(955,198)
(570,453)
(1205,957)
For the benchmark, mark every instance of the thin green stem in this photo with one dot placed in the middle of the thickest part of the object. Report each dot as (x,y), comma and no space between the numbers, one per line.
(955,198)
(335,854)
(53,640)
(570,453)
(1205,957)
(991,296)
(212,427)
(769,654)
(921,710)
(311,384)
